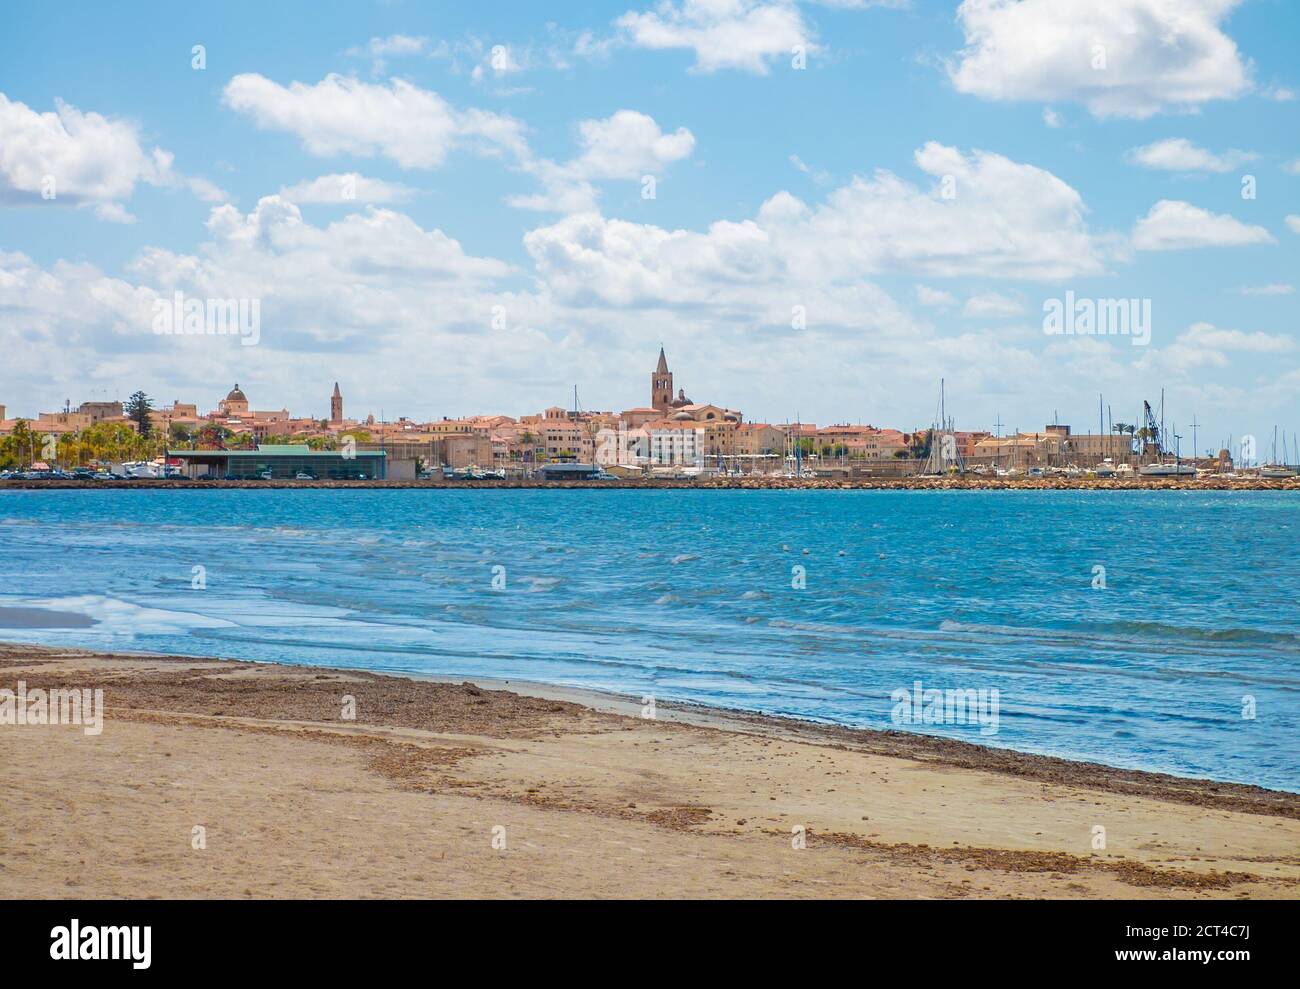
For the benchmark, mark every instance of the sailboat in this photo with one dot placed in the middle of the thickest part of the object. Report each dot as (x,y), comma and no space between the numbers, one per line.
(944,458)
(1272,470)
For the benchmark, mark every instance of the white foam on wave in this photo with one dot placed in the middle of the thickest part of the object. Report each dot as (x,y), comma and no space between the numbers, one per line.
(179,613)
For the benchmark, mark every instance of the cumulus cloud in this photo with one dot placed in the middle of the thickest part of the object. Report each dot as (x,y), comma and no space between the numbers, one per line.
(723,34)
(1177,154)
(67,309)
(625,146)
(1174,224)
(983,214)
(82,159)
(373,285)
(1204,345)
(1006,220)
(1293,222)
(1120,58)
(414,127)
(373,298)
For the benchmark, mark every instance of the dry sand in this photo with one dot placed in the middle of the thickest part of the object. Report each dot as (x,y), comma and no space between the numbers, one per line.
(591,800)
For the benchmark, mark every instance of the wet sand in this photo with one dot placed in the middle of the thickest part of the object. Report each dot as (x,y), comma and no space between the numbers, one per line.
(43,618)
(232,779)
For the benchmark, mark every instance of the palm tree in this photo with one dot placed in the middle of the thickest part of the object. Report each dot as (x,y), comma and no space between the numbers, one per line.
(22,437)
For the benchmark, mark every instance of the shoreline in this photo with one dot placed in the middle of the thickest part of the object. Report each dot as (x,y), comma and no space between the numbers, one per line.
(913,745)
(712,484)
(908,744)
(588,799)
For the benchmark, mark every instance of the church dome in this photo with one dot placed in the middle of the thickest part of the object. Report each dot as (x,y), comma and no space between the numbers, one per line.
(236,395)
(682,416)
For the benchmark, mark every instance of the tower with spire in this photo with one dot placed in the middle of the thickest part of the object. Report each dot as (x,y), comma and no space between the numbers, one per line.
(661,385)
(336,406)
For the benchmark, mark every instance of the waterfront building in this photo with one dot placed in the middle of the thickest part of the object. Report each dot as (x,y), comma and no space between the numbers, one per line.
(283,462)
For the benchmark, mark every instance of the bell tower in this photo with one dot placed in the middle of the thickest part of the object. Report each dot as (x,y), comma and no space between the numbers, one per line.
(661,385)
(336,405)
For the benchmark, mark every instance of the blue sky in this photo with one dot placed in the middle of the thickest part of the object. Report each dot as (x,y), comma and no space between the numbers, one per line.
(799,253)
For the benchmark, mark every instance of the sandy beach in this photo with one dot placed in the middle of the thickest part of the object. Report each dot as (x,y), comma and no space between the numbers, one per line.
(233,779)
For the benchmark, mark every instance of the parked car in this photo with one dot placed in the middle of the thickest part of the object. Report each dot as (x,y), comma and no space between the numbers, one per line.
(302,475)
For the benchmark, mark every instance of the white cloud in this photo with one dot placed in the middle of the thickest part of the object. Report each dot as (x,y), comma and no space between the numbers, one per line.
(1293,222)
(934,297)
(1177,154)
(1051,118)
(627,144)
(724,34)
(1007,220)
(206,191)
(345,188)
(1173,225)
(66,309)
(990,305)
(624,146)
(1119,58)
(378,50)
(500,61)
(114,213)
(91,160)
(373,298)
(1292,166)
(818,175)
(414,127)
(1203,345)
(495,58)
(372,281)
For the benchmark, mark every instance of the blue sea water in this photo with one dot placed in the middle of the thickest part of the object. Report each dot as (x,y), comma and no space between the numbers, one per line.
(688,595)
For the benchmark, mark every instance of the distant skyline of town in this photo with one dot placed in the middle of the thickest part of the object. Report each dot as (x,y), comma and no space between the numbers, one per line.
(668,428)
(819,208)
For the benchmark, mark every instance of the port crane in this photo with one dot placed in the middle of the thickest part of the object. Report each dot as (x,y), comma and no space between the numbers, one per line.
(1151,429)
